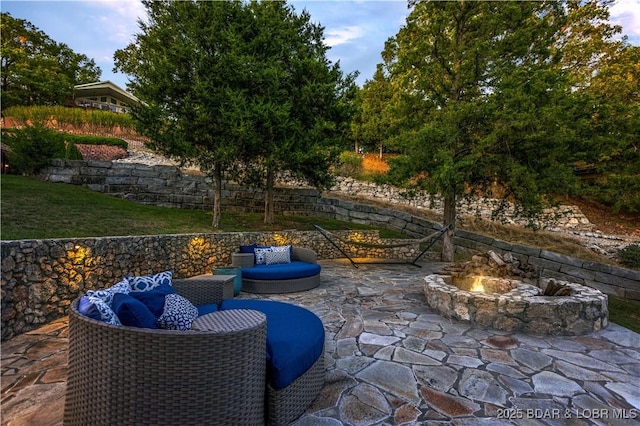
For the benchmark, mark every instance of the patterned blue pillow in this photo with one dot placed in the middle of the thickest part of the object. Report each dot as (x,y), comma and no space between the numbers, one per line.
(278,255)
(106,295)
(150,282)
(261,255)
(96,308)
(178,313)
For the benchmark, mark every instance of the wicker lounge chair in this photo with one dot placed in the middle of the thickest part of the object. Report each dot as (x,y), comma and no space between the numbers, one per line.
(128,375)
(276,285)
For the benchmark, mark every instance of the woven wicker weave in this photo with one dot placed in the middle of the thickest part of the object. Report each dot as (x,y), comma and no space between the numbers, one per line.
(135,376)
(286,405)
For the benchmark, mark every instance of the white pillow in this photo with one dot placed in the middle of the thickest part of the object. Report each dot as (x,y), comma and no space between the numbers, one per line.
(260,254)
(149,282)
(178,313)
(278,255)
(106,295)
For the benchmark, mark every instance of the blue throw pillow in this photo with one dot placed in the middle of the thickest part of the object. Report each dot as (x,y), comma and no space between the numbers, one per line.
(248,249)
(178,313)
(132,312)
(261,254)
(107,294)
(149,282)
(154,299)
(96,308)
(278,255)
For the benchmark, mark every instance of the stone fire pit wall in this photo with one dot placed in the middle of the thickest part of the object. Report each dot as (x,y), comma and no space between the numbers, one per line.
(521,309)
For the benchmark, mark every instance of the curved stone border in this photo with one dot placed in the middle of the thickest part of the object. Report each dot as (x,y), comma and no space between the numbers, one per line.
(521,309)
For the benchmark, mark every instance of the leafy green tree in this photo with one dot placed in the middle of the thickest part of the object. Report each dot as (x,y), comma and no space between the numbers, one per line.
(299,104)
(225,83)
(186,65)
(35,70)
(610,131)
(474,79)
(375,97)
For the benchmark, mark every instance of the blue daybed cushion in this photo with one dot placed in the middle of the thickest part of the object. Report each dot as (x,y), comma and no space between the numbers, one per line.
(284,271)
(207,309)
(295,338)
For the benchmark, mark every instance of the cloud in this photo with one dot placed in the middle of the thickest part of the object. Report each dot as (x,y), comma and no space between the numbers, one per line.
(626,13)
(342,35)
(119,16)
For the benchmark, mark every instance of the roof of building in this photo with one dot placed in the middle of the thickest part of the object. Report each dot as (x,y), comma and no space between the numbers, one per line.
(104,88)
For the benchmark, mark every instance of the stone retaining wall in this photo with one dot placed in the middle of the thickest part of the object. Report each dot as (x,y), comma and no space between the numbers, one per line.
(40,278)
(169,186)
(608,279)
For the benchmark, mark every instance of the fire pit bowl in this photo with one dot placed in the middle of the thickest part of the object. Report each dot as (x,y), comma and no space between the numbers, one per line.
(512,305)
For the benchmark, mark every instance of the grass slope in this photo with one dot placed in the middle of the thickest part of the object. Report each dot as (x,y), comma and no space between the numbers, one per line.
(33,209)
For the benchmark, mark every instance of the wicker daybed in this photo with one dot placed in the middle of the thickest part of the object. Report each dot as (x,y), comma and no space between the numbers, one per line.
(217,375)
(260,279)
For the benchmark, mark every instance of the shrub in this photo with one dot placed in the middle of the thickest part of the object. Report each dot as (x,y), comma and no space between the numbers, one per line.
(630,256)
(32,148)
(350,164)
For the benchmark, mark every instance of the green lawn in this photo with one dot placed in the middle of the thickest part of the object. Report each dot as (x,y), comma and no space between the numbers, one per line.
(33,209)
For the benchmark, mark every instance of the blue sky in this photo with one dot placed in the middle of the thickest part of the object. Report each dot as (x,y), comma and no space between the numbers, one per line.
(355,30)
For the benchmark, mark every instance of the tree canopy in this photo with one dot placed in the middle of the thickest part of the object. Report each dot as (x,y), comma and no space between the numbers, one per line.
(486,98)
(36,70)
(242,88)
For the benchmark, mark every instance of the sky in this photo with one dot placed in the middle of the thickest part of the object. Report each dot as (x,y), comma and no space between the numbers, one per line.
(355,30)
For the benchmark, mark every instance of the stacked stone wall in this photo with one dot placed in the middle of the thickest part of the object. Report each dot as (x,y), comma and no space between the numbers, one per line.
(169,186)
(40,278)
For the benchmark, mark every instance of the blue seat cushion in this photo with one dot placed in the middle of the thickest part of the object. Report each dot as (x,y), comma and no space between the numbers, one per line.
(295,338)
(207,309)
(283,271)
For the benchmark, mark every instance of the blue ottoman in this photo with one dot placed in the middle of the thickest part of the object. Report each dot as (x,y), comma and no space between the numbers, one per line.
(295,356)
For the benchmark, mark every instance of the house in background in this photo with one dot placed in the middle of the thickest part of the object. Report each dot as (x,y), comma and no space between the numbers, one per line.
(103,95)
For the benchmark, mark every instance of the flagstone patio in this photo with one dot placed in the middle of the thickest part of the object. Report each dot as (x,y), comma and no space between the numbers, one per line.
(392,360)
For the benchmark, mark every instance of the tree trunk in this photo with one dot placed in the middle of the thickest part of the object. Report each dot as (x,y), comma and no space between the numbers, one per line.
(381,148)
(217,196)
(357,147)
(448,248)
(268,196)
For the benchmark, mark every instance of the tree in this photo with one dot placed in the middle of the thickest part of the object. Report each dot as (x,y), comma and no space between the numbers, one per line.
(230,82)
(375,97)
(473,79)
(299,103)
(610,130)
(185,65)
(36,70)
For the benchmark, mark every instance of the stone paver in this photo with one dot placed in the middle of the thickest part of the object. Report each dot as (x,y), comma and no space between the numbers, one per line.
(392,360)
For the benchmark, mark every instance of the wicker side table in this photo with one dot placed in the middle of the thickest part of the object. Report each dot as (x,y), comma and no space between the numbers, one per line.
(226,280)
(243,260)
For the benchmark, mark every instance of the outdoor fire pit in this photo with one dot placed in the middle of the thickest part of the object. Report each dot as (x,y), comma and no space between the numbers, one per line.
(512,305)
